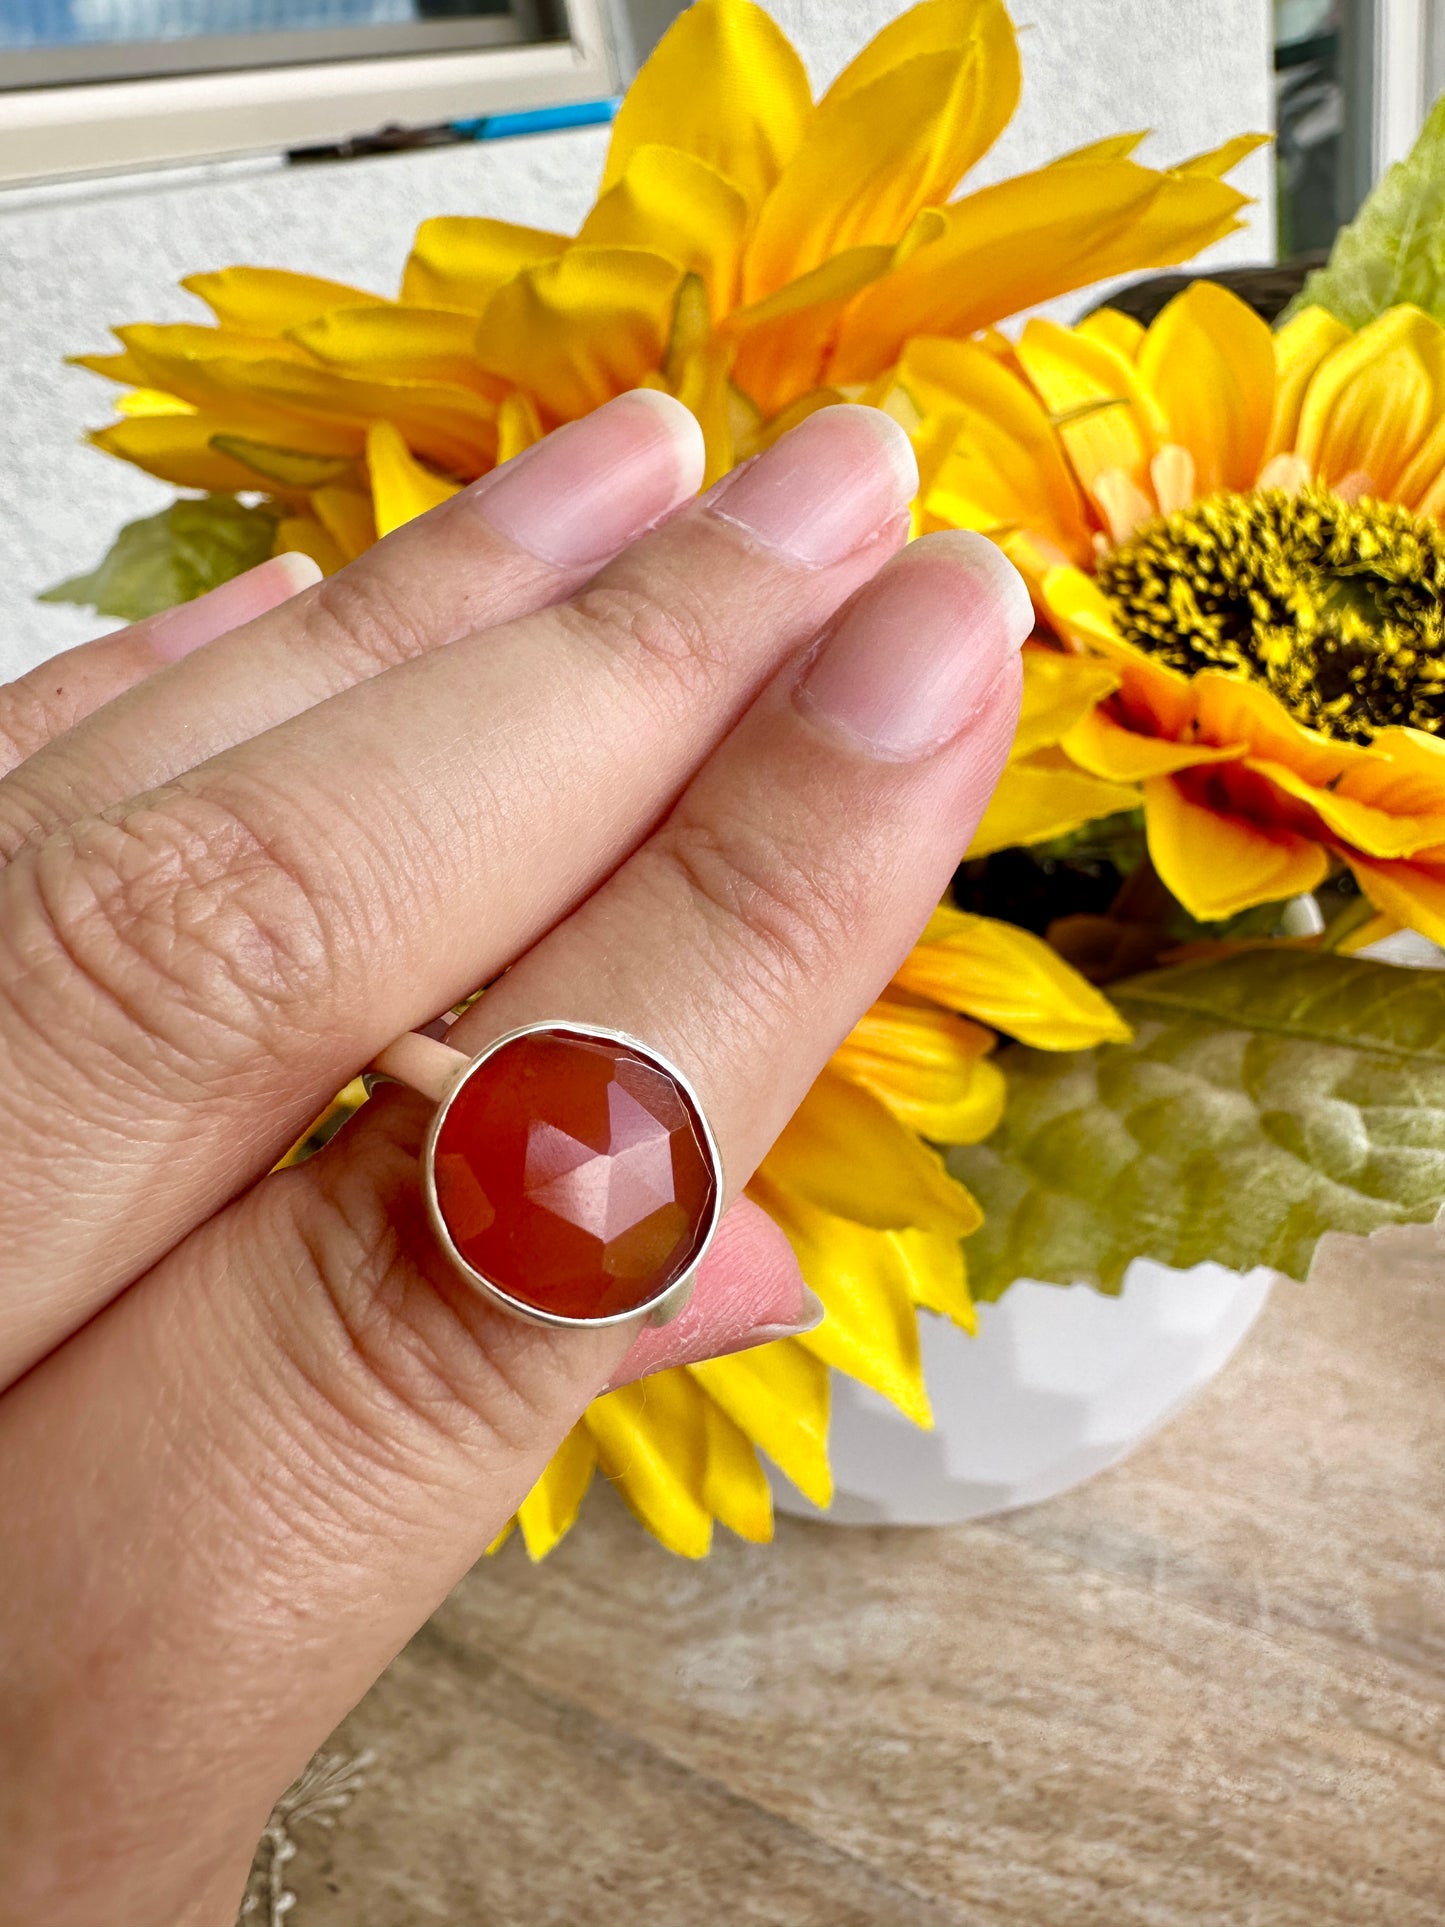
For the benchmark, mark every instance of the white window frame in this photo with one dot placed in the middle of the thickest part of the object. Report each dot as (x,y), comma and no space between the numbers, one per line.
(1409,73)
(55,132)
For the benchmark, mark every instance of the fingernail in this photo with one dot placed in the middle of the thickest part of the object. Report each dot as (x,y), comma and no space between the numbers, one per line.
(593,486)
(813,1315)
(176,632)
(830,485)
(912,660)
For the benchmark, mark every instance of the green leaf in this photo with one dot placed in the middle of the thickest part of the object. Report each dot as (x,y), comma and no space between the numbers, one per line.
(1394,249)
(190,547)
(1266,1098)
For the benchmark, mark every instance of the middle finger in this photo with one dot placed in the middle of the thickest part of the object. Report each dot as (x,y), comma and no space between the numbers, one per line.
(191,975)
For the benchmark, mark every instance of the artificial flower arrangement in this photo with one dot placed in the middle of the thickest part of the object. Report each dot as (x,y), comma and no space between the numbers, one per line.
(1139,1029)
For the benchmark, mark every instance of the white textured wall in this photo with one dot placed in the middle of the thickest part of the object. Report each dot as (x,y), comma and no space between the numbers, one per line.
(1193,70)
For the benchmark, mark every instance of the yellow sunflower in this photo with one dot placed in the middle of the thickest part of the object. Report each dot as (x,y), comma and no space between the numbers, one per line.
(1237,534)
(754,252)
(876,1224)
(758,255)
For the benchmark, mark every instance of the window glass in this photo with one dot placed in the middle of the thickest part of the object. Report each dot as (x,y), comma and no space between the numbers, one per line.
(1323,62)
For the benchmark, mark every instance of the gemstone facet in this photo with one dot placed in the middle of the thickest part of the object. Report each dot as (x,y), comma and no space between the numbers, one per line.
(574,1174)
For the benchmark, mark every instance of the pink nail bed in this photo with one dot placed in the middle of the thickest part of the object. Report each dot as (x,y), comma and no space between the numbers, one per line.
(831,485)
(177,632)
(594,485)
(912,661)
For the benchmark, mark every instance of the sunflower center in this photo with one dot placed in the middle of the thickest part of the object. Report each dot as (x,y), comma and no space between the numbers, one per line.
(1334,605)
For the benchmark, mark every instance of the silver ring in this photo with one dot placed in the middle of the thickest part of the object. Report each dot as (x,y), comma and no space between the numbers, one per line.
(570,1172)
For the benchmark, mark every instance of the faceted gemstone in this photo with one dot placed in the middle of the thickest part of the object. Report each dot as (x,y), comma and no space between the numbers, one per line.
(572,1173)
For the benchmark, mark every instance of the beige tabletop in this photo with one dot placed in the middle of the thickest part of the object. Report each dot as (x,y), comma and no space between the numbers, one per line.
(1207,1688)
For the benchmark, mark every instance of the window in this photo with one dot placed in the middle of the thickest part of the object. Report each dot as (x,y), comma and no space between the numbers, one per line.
(1354,80)
(90,86)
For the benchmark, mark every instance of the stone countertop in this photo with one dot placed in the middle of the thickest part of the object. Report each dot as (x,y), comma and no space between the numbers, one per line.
(1207,1688)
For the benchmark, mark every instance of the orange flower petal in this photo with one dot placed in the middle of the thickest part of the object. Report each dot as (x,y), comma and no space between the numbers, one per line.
(1218,865)
(1104,746)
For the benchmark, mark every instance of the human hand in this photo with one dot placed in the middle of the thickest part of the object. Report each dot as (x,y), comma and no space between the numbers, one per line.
(566,728)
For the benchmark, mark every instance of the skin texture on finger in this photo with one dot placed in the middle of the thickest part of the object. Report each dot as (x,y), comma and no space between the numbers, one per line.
(57,695)
(524,536)
(347,1425)
(186,981)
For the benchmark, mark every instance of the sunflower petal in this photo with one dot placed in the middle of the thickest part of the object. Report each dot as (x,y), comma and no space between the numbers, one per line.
(1208,362)
(1043,796)
(782,340)
(1059,690)
(304,535)
(1003,467)
(1299,348)
(460,260)
(1104,747)
(1010,979)
(676,205)
(705,389)
(451,426)
(937,1275)
(576,331)
(893,136)
(178,448)
(724,84)
(843,1151)
(1112,329)
(410,344)
(121,367)
(735,1487)
(269,301)
(1216,162)
(1218,865)
(1095,397)
(1364,826)
(1112,147)
(778,1395)
(518,426)
(1025,241)
(401,488)
(928,1066)
(945,26)
(550,1509)
(1413,894)
(347,517)
(287,468)
(651,1441)
(1372,402)
(871,1329)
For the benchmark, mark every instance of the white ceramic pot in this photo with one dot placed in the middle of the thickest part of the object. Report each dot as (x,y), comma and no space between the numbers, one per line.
(1060,1383)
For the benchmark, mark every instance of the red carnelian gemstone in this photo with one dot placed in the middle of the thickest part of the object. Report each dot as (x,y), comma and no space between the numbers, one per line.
(572,1173)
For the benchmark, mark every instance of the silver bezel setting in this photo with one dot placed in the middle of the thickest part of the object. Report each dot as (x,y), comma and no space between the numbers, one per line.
(657,1311)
